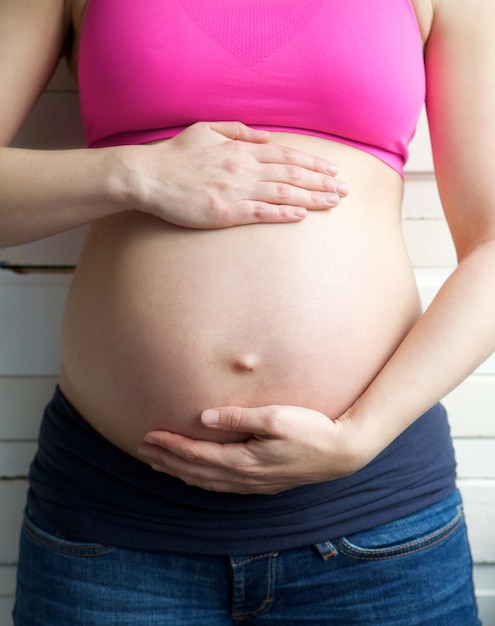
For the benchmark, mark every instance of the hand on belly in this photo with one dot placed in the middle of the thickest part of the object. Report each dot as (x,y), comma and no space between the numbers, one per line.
(290,446)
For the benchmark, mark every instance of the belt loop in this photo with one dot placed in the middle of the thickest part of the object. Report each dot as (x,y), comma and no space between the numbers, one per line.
(326,549)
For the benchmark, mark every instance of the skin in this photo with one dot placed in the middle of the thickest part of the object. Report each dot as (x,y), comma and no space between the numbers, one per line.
(273,408)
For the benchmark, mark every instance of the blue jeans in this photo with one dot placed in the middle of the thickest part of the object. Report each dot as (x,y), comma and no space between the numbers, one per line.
(415,571)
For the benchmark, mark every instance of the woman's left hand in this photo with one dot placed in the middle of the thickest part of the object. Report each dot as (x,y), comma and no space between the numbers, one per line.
(289,446)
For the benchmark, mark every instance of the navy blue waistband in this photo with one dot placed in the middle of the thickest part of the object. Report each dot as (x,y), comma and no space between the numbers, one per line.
(85,488)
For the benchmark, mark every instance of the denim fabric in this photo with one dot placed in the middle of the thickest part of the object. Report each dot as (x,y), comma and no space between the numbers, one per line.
(415,571)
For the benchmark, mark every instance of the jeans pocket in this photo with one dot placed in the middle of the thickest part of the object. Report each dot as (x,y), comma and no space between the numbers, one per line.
(405,536)
(63,546)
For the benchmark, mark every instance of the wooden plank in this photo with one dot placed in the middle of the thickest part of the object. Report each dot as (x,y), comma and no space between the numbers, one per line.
(31,318)
(429,243)
(421,199)
(12,497)
(479,504)
(7,581)
(6,606)
(486,610)
(420,156)
(471,407)
(484,582)
(475,458)
(15,458)
(21,405)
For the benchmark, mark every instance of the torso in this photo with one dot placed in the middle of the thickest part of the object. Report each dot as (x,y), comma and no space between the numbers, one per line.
(162,322)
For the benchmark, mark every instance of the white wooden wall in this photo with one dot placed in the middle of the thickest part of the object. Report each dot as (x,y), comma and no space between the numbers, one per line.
(30,313)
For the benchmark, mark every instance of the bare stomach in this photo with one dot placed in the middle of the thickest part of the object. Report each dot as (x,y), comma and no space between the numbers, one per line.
(162,322)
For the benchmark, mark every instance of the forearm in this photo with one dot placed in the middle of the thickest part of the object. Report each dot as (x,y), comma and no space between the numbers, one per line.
(216,175)
(453,337)
(45,192)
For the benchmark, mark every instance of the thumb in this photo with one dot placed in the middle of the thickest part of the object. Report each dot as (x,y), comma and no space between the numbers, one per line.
(238,131)
(237,419)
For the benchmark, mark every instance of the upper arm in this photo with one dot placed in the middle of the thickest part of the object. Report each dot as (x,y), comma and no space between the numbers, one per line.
(32,36)
(460,65)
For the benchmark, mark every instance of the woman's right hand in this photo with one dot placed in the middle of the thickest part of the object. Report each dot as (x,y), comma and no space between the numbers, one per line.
(224,174)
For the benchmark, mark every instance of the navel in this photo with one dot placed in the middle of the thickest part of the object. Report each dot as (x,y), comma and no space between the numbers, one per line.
(247,362)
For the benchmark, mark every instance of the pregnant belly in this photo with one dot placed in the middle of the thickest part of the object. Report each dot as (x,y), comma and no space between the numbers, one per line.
(163,322)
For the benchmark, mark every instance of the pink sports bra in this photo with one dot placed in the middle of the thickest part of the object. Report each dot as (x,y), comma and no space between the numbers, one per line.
(348,70)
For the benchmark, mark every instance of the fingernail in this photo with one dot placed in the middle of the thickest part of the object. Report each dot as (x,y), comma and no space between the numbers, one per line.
(332,169)
(211,417)
(342,189)
(332,199)
(144,452)
(150,439)
(300,212)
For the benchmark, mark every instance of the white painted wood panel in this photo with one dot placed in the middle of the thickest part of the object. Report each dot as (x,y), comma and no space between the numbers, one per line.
(7,581)
(21,405)
(484,580)
(475,459)
(31,317)
(479,503)
(420,156)
(15,458)
(429,243)
(421,200)
(471,407)
(6,605)
(12,497)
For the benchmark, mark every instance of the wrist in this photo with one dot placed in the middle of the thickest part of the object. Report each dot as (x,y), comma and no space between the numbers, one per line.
(364,439)
(122,182)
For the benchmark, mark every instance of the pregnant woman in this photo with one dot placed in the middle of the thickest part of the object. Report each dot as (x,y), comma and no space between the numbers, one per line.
(247,427)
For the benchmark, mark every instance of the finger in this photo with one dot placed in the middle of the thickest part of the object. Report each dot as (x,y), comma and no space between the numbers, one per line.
(163,448)
(258,420)
(159,444)
(250,212)
(281,194)
(210,478)
(183,457)
(181,466)
(301,177)
(238,131)
(291,156)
